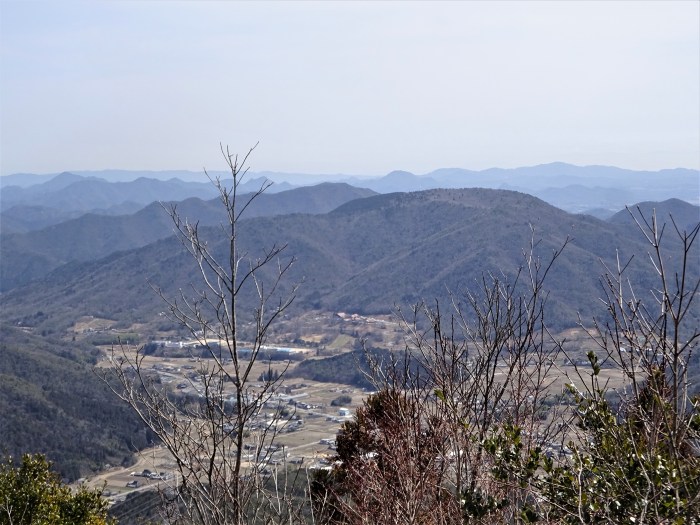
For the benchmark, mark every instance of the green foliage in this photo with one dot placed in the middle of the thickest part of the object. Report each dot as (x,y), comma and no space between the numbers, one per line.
(506,447)
(616,473)
(622,473)
(476,505)
(31,494)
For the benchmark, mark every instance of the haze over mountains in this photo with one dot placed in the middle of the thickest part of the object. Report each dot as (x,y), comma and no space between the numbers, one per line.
(599,190)
(72,218)
(67,196)
(34,254)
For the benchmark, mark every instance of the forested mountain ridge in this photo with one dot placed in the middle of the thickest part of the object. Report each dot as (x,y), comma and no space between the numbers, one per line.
(34,254)
(72,192)
(685,215)
(366,256)
(68,195)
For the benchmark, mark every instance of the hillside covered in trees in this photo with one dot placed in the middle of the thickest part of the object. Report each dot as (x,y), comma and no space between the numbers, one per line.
(52,403)
(366,256)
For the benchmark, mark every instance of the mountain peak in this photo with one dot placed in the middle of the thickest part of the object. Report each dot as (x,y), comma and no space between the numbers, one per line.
(61,180)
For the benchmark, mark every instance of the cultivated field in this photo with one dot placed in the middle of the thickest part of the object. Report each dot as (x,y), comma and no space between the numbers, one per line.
(307,439)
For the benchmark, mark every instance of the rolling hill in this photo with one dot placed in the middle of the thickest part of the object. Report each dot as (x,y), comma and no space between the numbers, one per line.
(71,195)
(26,218)
(35,254)
(685,215)
(572,188)
(71,192)
(365,256)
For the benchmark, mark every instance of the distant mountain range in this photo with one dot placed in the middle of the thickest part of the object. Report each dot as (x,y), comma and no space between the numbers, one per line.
(34,254)
(67,196)
(577,189)
(600,190)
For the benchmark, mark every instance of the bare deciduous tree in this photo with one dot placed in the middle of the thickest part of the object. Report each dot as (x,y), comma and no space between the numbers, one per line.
(491,364)
(479,382)
(219,440)
(637,448)
(417,451)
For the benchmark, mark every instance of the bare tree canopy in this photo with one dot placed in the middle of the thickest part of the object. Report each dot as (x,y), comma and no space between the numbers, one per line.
(219,481)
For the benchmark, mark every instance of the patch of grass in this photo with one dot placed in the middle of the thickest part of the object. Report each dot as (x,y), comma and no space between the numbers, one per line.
(343,341)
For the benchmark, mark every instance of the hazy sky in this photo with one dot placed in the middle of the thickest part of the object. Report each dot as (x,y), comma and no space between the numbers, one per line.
(357,88)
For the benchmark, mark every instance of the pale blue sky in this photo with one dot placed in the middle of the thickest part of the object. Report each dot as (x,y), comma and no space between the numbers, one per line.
(357,88)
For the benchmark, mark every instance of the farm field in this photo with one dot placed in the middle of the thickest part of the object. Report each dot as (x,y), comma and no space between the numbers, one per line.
(307,439)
